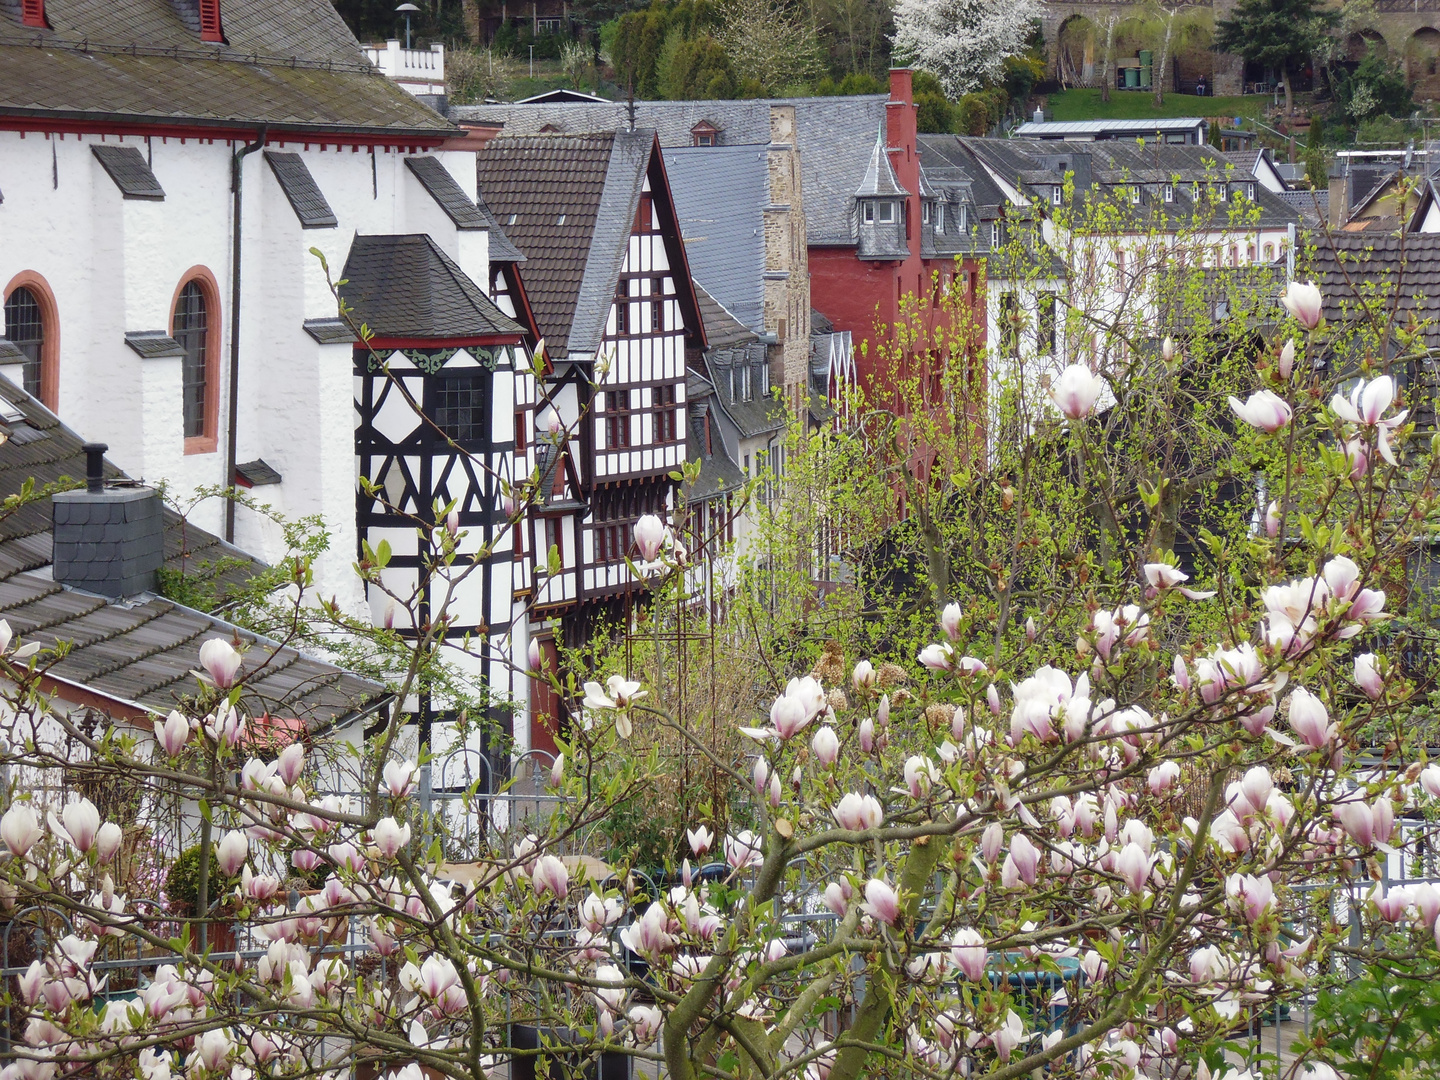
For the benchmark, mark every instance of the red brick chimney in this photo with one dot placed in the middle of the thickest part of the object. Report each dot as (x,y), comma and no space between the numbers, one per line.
(900,140)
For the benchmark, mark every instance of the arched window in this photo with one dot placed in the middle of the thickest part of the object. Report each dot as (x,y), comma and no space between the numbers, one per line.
(25,327)
(196,326)
(31,324)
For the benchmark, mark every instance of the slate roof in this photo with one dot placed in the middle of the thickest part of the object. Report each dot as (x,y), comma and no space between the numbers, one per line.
(836,136)
(1029,162)
(720,197)
(1394,272)
(142,650)
(333,331)
(153,344)
(879,176)
(719,470)
(305,196)
(291,64)
(1059,129)
(130,171)
(406,287)
(722,329)
(569,202)
(446,190)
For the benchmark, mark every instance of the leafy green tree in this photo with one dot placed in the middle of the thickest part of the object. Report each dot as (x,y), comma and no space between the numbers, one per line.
(1275,33)
(696,69)
(1376,88)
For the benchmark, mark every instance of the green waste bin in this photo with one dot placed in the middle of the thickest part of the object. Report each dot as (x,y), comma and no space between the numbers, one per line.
(1147,59)
(1132,78)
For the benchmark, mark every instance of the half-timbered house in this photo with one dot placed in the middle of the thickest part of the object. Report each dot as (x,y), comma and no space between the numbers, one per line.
(611,293)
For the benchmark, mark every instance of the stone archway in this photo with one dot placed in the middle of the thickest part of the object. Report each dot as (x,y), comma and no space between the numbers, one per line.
(1192,54)
(1078,59)
(1361,42)
(1422,63)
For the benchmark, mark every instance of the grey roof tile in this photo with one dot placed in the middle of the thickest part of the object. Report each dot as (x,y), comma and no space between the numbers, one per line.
(720,196)
(722,329)
(153,344)
(130,171)
(305,196)
(257,473)
(10,352)
(334,331)
(291,64)
(406,287)
(446,190)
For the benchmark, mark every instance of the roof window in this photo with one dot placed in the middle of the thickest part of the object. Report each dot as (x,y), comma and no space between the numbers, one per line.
(705,134)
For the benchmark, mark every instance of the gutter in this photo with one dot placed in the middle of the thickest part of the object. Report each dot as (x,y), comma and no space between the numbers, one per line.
(227,482)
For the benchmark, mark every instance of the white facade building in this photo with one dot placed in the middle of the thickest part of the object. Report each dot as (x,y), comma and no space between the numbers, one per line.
(163,197)
(417,71)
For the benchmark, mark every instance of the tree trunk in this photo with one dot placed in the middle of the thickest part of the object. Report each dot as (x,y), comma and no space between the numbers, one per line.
(1159,75)
(1289,101)
(1106,59)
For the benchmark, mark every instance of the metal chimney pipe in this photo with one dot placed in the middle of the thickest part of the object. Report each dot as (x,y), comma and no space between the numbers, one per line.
(95,466)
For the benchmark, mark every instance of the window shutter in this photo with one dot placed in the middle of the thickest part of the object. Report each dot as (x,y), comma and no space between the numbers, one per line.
(32,13)
(210,21)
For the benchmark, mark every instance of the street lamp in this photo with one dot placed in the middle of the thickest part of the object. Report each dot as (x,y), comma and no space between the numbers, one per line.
(532,61)
(407,9)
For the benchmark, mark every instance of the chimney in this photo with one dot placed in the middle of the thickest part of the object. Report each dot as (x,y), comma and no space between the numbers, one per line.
(109,541)
(32,13)
(1039,116)
(1339,195)
(902,85)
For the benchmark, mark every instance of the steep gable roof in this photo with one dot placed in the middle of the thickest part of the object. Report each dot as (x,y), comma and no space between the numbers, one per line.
(291,64)
(139,653)
(569,201)
(545,191)
(406,287)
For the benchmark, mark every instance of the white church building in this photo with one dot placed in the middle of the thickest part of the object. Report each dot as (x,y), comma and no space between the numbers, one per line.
(166,168)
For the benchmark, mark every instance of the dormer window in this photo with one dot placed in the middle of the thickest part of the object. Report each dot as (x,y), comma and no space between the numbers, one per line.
(705,134)
(939,217)
(1250,192)
(1134,194)
(963,219)
(925,213)
(887,212)
(1057,193)
(1169,192)
(867,213)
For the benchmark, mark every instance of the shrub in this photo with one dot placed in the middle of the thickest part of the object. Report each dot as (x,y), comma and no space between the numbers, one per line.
(182,883)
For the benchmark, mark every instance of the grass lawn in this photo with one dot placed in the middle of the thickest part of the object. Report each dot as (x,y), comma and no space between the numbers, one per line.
(1140,105)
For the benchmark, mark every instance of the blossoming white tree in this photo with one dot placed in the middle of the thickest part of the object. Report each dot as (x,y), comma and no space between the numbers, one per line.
(963,43)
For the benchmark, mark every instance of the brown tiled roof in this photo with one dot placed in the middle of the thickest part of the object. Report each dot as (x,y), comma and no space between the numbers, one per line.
(545,192)
(287,63)
(143,650)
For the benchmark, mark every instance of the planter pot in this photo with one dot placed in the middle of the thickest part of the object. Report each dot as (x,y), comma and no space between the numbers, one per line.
(526,1037)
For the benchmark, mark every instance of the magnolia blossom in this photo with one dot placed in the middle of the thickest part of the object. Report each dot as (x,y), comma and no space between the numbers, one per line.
(1264,410)
(1367,676)
(1310,720)
(550,875)
(399,777)
(172,733)
(1254,895)
(744,850)
(220,661)
(950,621)
(1366,407)
(20,829)
(1021,864)
(1076,391)
(391,836)
(937,657)
(1287,359)
(1304,302)
(967,949)
(231,852)
(649,535)
(881,903)
(825,745)
(864,676)
(645,1023)
(858,812)
(700,839)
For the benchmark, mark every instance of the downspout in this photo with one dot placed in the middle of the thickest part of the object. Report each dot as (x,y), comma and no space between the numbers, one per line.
(228,481)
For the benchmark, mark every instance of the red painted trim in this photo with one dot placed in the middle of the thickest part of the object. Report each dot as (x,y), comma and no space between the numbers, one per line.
(115,708)
(210,21)
(32,13)
(440,343)
(50,324)
(191,129)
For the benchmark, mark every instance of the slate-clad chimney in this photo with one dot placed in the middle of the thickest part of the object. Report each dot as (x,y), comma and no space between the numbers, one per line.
(109,541)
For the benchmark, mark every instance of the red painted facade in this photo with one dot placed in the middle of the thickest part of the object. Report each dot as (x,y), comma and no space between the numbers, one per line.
(857,294)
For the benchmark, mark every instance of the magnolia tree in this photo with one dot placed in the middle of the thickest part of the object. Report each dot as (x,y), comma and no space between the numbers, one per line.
(1096,844)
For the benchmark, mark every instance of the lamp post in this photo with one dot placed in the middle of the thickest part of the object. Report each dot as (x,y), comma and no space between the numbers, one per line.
(407,9)
(532,61)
